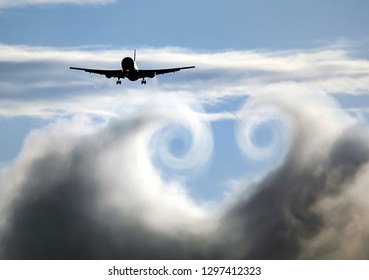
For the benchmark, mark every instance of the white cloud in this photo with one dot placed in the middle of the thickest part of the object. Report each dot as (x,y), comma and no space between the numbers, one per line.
(5,4)
(109,194)
(37,81)
(113,165)
(81,190)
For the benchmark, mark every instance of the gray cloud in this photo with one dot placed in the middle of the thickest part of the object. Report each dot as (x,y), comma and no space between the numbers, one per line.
(308,207)
(79,190)
(288,213)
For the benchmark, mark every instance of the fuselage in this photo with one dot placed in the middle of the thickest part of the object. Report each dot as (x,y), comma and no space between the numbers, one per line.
(130,68)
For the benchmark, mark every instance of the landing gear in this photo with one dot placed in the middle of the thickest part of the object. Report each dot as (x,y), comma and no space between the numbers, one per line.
(119,82)
(143,82)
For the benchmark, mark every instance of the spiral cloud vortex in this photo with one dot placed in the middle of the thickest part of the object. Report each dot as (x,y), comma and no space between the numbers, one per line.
(81,190)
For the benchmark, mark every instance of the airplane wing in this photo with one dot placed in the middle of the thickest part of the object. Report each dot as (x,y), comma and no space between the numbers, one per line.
(107,73)
(153,72)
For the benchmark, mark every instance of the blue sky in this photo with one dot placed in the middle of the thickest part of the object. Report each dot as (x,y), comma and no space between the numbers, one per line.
(205,25)
(202,29)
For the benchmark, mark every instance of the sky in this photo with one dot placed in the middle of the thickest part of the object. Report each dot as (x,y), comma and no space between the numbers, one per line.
(263,143)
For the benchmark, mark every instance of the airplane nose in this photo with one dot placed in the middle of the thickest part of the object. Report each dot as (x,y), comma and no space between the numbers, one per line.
(128,64)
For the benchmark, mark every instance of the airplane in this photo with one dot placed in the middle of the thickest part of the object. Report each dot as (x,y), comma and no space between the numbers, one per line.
(130,71)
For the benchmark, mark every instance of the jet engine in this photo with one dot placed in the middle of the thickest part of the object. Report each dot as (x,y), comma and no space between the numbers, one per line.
(151,75)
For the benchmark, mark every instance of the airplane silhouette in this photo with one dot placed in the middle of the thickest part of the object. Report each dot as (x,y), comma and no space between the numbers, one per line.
(130,71)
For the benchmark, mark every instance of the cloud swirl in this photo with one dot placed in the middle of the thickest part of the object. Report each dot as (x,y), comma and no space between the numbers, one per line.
(91,184)
(79,190)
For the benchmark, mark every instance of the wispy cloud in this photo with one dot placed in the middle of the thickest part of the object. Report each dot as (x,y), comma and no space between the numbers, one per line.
(40,76)
(6,4)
